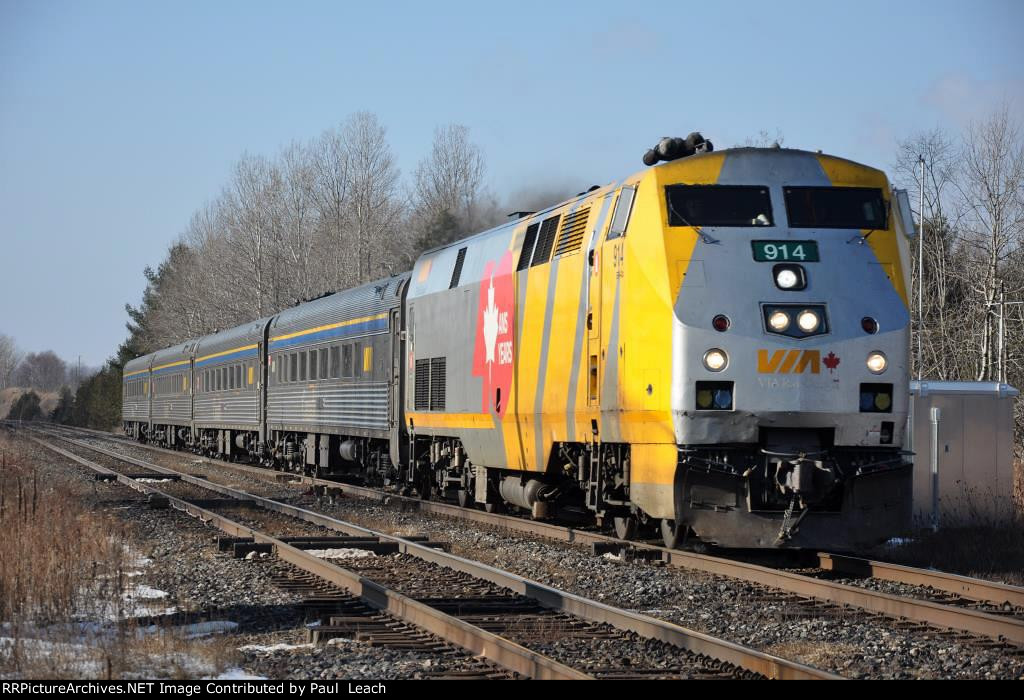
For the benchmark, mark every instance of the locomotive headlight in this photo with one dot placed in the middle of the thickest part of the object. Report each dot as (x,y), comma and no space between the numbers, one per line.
(716,360)
(808,321)
(779,321)
(877,363)
(786,278)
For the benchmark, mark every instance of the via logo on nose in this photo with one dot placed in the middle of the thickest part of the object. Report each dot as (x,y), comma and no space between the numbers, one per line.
(788,361)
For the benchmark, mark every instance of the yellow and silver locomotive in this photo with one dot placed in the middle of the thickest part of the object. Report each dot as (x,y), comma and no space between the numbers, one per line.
(716,347)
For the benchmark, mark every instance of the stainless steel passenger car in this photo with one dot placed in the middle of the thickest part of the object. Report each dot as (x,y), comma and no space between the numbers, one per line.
(171,382)
(135,396)
(331,397)
(228,404)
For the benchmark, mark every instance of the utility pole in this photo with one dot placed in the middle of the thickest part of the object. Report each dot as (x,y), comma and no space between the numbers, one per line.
(920,274)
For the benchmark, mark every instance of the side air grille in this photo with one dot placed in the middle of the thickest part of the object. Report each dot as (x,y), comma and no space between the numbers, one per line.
(422,402)
(573,227)
(430,384)
(437,383)
(527,251)
(545,241)
(457,272)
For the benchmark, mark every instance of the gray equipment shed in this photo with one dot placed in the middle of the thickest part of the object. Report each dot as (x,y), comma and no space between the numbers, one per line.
(962,437)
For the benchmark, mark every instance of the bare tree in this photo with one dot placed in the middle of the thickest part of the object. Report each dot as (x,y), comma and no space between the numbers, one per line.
(373,209)
(44,371)
(450,182)
(10,357)
(764,139)
(992,191)
(330,163)
(942,295)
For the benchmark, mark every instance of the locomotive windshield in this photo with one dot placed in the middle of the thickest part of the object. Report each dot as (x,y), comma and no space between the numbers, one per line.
(835,207)
(718,205)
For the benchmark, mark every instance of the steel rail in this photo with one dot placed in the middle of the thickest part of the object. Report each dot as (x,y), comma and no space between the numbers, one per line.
(924,611)
(767,665)
(480,642)
(964,586)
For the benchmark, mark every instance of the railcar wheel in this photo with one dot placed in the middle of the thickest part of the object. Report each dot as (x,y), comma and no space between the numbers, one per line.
(465,498)
(494,507)
(672,534)
(626,527)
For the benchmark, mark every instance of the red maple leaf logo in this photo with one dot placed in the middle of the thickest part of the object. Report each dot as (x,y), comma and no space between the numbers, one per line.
(830,361)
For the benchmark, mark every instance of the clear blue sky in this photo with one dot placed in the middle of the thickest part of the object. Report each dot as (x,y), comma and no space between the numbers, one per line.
(119,119)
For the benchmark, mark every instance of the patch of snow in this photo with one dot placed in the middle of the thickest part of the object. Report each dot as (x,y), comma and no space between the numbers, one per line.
(193,631)
(338,640)
(611,556)
(75,657)
(146,592)
(203,629)
(236,674)
(141,600)
(270,649)
(146,480)
(341,553)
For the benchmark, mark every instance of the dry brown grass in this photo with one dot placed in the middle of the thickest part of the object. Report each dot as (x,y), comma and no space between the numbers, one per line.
(64,572)
(995,553)
(57,560)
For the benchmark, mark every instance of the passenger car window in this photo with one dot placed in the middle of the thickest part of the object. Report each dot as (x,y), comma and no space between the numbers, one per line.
(346,361)
(335,362)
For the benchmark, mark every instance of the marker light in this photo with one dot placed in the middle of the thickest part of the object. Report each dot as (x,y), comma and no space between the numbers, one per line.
(714,396)
(869,325)
(883,401)
(876,363)
(720,323)
(808,321)
(779,321)
(715,360)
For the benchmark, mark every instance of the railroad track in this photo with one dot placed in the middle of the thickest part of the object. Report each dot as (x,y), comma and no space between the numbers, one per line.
(986,609)
(521,625)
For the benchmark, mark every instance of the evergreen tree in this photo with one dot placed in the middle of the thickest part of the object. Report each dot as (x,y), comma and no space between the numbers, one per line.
(64,411)
(26,407)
